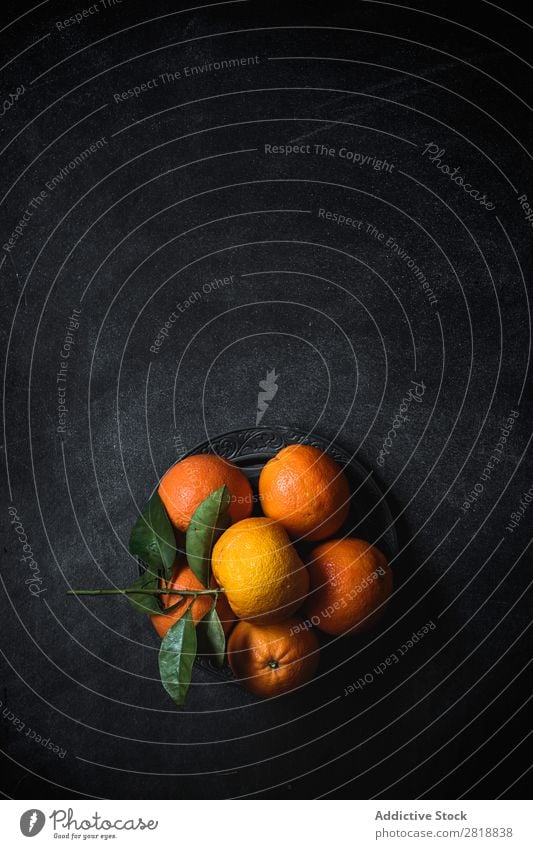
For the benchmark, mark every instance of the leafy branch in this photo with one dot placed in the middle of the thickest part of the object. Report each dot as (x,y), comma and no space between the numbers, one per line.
(152,540)
(131,591)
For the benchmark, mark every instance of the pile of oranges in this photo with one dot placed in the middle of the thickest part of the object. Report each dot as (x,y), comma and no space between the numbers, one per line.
(273,602)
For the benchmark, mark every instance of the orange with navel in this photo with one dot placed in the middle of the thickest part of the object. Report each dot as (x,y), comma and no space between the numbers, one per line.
(271,660)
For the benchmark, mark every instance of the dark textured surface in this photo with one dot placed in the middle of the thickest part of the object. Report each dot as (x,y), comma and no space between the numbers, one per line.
(186,195)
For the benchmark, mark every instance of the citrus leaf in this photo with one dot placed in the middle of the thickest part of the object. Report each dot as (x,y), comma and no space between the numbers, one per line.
(176,657)
(145,603)
(208,521)
(211,637)
(152,537)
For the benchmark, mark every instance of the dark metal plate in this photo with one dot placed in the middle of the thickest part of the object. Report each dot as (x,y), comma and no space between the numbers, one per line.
(369,518)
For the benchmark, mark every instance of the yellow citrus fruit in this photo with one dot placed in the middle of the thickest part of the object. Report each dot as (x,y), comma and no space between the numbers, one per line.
(306,491)
(264,578)
(273,659)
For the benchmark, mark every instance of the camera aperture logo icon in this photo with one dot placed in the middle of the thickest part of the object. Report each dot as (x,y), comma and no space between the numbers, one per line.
(32,822)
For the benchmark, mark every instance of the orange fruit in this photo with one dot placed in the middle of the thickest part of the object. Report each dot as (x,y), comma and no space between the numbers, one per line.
(306,491)
(263,576)
(351,582)
(273,659)
(184,578)
(191,480)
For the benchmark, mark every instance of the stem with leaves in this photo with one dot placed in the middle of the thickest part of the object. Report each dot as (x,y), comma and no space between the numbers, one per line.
(153,541)
(215,591)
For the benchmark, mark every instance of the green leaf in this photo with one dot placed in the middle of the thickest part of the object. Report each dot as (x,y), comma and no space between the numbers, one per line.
(211,637)
(176,657)
(145,603)
(208,521)
(152,537)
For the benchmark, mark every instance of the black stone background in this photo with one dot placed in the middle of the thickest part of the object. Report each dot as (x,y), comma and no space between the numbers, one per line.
(184,194)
